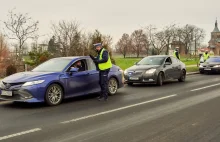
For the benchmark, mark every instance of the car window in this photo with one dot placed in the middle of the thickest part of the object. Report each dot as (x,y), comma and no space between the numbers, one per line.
(213,59)
(174,60)
(80,64)
(168,60)
(151,61)
(53,65)
(91,65)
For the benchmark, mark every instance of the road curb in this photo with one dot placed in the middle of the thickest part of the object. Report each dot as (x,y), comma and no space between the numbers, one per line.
(192,73)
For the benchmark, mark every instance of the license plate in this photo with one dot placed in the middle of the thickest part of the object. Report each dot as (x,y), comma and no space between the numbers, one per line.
(207,69)
(6,93)
(134,78)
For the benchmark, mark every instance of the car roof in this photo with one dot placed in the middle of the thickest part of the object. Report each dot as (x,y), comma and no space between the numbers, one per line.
(159,56)
(215,57)
(72,57)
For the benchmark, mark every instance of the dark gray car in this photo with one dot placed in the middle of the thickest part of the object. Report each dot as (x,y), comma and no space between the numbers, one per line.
(211,65)
(155,69)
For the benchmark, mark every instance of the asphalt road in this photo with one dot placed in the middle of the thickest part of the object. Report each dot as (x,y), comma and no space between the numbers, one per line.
(175,112)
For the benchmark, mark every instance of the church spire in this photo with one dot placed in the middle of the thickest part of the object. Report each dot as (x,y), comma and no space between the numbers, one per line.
(216,27)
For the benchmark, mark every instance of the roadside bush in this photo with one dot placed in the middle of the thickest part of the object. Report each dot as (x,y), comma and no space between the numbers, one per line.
(11,69)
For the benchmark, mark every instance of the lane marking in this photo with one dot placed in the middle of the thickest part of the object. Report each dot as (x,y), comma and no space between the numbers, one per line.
(5,102)
(205,87)
(118,109)
(19,134)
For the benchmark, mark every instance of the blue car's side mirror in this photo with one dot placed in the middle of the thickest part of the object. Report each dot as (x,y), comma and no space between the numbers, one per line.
(74,70)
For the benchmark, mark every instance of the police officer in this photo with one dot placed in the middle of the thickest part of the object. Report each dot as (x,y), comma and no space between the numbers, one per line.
(206,55)
(176,53)
(104,64)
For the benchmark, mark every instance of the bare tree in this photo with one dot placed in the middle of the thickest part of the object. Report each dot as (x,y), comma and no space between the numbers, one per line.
(85,43)
(198,37)
(187,36)
(68,35)
(157,39)
(139,41)
(20,27)
(169,33)
(3,48)
(124,45)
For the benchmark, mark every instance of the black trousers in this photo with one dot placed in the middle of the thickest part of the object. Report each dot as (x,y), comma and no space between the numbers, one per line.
(103,82)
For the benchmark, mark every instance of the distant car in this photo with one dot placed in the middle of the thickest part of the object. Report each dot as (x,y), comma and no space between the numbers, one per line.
(211,65)
(57,79)
(155,69)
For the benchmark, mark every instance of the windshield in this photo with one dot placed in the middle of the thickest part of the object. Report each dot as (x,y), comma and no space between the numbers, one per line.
(213,59)
(53,65)
(152,61)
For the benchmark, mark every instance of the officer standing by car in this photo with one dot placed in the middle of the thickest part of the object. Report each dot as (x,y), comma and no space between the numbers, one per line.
(206,55)
(176,53)
(104,64)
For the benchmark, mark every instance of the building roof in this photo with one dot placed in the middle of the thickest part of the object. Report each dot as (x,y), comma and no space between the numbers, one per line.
(216,30)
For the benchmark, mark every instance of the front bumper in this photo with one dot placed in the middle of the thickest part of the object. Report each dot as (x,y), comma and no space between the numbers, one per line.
(23,94)
(212,70)
(143,78)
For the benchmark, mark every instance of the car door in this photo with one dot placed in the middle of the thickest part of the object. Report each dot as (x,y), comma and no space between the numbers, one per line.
(168,69)
(93,77)
(176,67)
(78,82)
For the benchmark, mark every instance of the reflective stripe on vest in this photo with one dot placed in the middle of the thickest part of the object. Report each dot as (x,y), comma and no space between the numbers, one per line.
(106,65)
(205,56)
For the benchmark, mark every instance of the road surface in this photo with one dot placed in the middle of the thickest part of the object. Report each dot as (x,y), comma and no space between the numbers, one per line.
(175,112)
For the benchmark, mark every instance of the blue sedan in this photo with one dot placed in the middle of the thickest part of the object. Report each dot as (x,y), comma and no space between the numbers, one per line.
(57,79)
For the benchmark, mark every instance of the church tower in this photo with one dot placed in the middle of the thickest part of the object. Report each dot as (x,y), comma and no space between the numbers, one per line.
(215,39)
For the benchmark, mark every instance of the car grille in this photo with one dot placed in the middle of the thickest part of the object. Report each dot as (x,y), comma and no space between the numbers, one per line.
(9,85)
(135,73)
(208,66)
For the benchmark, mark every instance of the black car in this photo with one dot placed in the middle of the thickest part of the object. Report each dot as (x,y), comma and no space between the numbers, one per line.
(211,65)
(155,69)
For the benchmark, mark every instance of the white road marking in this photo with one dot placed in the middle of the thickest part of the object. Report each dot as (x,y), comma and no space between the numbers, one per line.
(19,134)
(118,109)
(205,87)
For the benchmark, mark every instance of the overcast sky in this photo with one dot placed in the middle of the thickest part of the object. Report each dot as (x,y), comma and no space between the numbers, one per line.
(116,17)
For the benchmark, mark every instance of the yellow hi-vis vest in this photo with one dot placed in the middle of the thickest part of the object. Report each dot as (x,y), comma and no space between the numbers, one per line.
(205,56)
(106,65)
(174,54)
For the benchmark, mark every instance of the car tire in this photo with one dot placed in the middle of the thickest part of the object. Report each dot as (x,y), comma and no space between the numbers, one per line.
(183,76)
(160,79)
(54,95)
(112,86)
(130,84)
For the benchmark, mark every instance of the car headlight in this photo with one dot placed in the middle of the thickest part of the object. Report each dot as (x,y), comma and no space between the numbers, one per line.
(217,66)
(125,72)
(201,66)
(150,71)
(33,83)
